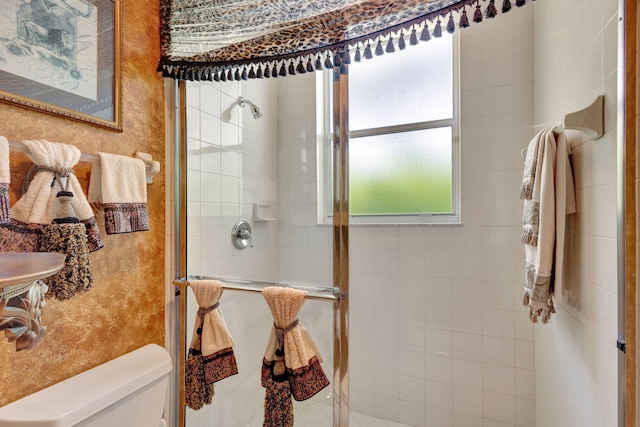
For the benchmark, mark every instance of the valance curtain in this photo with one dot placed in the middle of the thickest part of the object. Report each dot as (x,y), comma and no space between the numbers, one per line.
(242,39)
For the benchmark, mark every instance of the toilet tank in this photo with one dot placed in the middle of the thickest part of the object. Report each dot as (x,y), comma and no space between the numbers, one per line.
(128,391)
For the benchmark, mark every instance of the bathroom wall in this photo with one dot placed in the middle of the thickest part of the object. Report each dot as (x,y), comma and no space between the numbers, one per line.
(576,356)
(125,308)
(438,334)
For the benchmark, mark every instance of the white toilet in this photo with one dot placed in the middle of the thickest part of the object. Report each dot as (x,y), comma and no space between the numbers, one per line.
(128,391)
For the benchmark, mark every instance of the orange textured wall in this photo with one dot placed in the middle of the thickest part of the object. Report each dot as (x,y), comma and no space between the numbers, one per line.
(125,308)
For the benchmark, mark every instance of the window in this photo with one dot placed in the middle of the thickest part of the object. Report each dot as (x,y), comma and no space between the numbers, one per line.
(403,152)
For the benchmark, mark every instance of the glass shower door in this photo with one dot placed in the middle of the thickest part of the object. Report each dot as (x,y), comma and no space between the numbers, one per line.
(258,169)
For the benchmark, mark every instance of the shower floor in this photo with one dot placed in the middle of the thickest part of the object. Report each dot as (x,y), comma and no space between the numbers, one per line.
(314,414)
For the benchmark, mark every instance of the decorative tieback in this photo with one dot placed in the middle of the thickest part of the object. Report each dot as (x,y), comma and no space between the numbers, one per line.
(202,312)
(58,174)
(279,368)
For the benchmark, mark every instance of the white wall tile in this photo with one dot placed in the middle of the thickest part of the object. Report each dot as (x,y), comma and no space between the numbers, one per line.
(468,401)
(439,302)
(571,348)
(499,407)
(467,373)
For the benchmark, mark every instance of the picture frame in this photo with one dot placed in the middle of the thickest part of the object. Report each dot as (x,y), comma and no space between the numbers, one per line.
(64,58)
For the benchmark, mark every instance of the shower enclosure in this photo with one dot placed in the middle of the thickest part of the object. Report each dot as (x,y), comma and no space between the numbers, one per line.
(250,170)
(437,333)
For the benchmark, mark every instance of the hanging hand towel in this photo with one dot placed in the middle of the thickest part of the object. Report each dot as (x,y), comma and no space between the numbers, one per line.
(291,355)
(549,196)
(119,185)
(5,179)
(211,356)
(36,208)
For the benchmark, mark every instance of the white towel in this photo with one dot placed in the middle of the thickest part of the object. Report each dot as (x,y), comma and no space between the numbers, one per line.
(549,195)
(38,204)
(119,185)
(5,179)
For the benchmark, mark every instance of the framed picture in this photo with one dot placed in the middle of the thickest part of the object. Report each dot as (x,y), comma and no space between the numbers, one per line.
(63,57)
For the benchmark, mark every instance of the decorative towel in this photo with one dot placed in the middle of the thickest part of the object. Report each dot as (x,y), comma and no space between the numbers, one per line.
(53,161)
(68,236)
(211,356)
(5,179)
(291,356)
(549,195)
(119,185)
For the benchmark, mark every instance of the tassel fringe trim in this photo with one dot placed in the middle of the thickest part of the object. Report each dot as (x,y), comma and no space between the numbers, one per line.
(336,55)
(530,237)
(526,191)
(543,313)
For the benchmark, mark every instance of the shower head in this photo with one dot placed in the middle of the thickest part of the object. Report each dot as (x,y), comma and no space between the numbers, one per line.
(255,110)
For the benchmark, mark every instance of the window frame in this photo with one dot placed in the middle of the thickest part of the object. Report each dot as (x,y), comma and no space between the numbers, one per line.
(324,117)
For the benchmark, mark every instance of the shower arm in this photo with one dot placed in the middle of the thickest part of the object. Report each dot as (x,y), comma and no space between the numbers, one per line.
(255,110)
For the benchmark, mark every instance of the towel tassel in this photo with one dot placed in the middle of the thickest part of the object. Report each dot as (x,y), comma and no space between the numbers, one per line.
(279,368)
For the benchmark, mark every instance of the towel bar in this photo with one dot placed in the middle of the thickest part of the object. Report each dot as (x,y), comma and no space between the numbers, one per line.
(152,166)
(313,292)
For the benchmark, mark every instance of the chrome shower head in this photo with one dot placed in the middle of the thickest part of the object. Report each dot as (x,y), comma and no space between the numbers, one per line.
(255,110)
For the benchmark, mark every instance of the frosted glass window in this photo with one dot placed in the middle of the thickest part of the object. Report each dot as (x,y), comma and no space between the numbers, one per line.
(403,137)
(402,173)
(408,86)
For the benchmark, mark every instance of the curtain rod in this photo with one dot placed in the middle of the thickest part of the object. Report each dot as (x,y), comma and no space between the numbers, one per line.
(152,166)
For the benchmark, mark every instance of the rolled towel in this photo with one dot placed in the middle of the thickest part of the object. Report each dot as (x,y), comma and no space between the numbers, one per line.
(217,344)
(291,353)
(118,185)
(5,179)
(210,358)
(54,162)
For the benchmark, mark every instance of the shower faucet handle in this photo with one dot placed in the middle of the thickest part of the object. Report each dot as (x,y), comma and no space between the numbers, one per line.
(241,235)
(246,235)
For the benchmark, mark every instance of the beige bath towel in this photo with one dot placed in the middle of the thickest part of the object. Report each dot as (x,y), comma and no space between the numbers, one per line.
(211,356)
(301,357)
(118,184)
(549,195)
(216,344)
(54,162)
(5,179)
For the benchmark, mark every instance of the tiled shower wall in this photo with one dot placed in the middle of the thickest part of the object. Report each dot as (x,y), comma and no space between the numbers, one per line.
(438,335)
(232,164)
(576,356)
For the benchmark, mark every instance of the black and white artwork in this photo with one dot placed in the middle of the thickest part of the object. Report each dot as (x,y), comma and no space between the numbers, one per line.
(52,42)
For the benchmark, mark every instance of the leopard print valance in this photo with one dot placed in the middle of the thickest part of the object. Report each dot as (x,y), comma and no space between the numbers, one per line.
(244,39)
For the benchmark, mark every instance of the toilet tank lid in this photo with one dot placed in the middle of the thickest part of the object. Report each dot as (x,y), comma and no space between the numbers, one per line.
(74,399)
